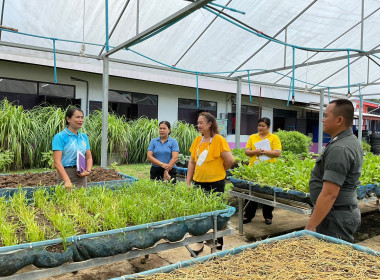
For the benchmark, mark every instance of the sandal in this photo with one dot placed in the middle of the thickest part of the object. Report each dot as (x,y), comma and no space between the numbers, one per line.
(198,249)
(268,221)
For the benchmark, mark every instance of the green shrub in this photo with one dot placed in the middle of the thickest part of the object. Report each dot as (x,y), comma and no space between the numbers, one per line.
(294,141)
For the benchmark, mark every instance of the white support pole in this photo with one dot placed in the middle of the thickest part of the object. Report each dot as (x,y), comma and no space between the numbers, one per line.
(137,17)
(238,114)
(362,27)
(360,126)
(320,127)
(103,161)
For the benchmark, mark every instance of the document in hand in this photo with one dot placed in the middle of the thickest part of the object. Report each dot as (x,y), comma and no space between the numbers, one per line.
(263,145)
(81,162)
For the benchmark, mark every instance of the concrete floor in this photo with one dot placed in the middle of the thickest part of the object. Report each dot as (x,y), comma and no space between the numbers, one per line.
(285,221)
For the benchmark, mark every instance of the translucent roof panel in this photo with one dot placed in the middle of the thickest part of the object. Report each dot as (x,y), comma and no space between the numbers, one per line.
(204,42)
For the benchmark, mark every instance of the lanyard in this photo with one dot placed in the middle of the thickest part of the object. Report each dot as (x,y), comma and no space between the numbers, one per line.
(201,144)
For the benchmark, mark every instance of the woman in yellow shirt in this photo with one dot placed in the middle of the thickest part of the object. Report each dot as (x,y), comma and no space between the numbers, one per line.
(210,158)
(254,153)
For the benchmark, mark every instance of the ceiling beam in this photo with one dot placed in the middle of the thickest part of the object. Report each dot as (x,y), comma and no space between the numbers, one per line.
(2,16)
(310,63)
(336,39)
(169,20)
(162,68)
(200,35)
(375,50)
(278,33)
(116,23)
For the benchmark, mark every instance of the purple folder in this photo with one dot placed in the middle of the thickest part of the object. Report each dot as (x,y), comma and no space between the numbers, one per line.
(81,162)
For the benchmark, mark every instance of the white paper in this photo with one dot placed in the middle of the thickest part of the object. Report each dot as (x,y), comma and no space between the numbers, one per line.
(263,145)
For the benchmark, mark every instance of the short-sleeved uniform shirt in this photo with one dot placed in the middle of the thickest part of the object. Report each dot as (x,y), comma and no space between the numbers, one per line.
(274,141)
(340,163)
(212,169)
(69,143)
(163,151)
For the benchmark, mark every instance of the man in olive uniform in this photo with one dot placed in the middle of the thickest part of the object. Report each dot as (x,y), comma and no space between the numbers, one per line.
(335,177)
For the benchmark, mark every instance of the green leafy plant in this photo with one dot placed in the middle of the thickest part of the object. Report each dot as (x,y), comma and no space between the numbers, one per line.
(115,166)
(293,171)
(370,170)
(240,156)
(366,147)
(47,157)
(6,159)
(294,141)
(183,160)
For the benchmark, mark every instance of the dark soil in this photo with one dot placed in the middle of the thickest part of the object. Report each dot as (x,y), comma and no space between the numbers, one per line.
(370,227)
(99,174)
(55,248)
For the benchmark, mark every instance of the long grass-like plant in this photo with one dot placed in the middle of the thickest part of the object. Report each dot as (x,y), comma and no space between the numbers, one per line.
(185,134)
(143,130)
(28,134)
(8,235)
(118,135)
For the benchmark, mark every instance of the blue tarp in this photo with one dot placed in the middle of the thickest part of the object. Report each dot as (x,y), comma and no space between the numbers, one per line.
(238,250)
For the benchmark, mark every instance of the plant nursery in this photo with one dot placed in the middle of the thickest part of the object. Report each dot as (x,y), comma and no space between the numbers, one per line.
(137,137)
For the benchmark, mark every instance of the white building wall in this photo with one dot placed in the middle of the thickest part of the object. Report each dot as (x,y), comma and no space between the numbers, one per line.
(168,94)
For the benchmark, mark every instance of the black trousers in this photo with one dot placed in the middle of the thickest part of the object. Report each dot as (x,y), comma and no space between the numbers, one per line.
(341,224)
(157,173)
(217,186)
(250,211)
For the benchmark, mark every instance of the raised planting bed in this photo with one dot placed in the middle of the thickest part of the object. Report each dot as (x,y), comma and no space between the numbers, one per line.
(289,177)
(298,255)
(10,183)
(58,227)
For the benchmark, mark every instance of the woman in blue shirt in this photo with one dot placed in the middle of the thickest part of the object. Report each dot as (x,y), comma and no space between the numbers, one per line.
(163,153)
(65,148)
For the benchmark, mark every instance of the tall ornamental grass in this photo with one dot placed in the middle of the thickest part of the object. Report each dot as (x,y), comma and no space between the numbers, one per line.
(27,134)
(46,122)
(185,134)
(143,130)
(118,135)
(16,133)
